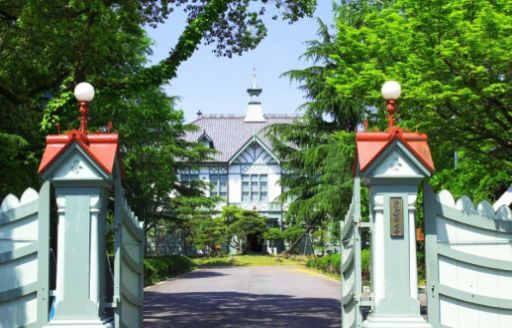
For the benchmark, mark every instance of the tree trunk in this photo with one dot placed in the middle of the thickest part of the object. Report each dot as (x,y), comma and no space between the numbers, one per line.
(289,250)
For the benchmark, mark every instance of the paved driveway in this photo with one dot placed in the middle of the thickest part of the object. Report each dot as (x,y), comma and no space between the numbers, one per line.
(244,297)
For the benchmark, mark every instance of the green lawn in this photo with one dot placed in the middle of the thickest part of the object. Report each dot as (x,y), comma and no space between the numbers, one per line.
(260,260)
(245,260)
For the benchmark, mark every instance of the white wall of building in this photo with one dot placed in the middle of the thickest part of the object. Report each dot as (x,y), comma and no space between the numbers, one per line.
(273,172)
(253,161)
(274,187)
(234,187)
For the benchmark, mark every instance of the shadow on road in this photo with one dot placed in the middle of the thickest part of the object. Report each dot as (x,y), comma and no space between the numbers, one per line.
(202,274)
(232,309)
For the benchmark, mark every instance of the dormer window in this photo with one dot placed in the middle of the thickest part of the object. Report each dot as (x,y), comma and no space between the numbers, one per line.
(206,140)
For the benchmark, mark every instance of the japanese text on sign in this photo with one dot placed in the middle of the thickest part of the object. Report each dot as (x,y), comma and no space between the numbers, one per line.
(396,217)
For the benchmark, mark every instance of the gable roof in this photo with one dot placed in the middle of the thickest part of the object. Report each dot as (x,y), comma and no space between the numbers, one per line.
(101,148)
(254,141)
(371,145)
(230,133)
(205,137)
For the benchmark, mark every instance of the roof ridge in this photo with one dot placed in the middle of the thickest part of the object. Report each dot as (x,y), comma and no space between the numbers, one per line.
(271,115)
(223,116)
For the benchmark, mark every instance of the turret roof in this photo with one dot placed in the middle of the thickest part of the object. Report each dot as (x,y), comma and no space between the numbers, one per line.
(102,148)
(371,144)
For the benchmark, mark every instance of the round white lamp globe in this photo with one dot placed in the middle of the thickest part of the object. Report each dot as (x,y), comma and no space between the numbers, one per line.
(391,90)
(84,92)
(328,117)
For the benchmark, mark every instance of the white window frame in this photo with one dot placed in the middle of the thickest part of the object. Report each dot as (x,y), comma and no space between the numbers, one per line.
(219,185)
(254,188)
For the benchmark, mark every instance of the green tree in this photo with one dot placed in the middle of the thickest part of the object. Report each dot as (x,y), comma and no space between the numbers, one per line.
(209,235)
(273,234)
(152,133)
(317,148)
(292,233)
(453,61)
(49,46)
(188,209)
(241,224)
(53,40)
(471,178)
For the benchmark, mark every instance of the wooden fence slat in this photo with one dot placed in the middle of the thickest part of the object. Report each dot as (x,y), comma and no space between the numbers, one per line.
(18,253)
(118,213)
(127,258)
(134,230)
(129,296)
(14,293)
(347,225)
(431,257)
(18,213)
(474,220)
(480,261)
(492,302)
(43,255)
(347,261)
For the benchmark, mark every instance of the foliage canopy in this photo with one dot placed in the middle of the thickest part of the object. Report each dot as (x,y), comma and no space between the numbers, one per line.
(453,61)
(47,47)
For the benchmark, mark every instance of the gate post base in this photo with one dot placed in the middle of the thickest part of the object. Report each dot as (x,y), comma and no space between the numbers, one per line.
(395,322)
(82,323)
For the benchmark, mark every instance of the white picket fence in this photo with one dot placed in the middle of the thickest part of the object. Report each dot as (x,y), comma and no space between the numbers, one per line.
(19,234)
(128,265)
(351,287)
(469,262)
(25,262)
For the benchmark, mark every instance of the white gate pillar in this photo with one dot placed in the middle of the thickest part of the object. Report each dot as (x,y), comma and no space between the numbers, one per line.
(81,168)
(392,164)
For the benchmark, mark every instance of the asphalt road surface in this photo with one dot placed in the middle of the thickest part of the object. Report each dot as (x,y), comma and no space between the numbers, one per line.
(244,297)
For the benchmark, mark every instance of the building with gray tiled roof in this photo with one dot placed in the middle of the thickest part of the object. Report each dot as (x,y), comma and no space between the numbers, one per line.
(244,171)
(229,133)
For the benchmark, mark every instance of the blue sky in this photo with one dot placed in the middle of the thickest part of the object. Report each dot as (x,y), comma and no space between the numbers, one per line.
(217,85)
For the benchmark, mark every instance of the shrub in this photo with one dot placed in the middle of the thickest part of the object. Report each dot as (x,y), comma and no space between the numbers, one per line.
(162,267)
(420,256)
(365,264)
(328,263)
(332,263)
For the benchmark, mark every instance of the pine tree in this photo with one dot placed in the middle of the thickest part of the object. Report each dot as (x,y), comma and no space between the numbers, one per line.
(317,149)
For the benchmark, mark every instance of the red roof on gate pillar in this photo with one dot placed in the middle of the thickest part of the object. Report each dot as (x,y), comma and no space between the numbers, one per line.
(370,145)
(101,148)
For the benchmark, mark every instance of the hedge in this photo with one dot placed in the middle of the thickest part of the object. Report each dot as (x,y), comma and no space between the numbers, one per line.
(332,263)
(163,267)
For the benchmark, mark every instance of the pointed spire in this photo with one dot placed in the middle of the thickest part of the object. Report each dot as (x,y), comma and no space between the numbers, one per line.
(254,110)
(254,91)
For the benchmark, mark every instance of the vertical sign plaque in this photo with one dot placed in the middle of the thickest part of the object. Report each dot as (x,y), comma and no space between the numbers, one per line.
(396,214)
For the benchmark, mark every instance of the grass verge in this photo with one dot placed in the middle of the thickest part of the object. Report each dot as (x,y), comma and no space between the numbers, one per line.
(244,260)
(159,268)
(305,262)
